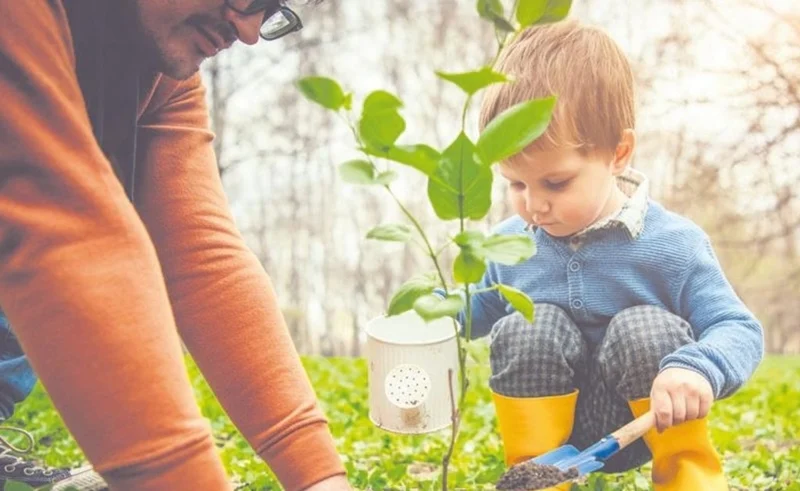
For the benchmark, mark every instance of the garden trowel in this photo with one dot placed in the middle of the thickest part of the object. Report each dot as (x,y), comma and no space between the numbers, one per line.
(567,462)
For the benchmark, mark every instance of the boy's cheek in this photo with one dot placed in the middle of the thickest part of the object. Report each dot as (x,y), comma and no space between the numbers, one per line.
(518,205)
(577,211)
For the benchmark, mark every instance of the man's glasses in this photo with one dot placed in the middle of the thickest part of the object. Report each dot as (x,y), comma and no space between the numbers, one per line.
(278,20)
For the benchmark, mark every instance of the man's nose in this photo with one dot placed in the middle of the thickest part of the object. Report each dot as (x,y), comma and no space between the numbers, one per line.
(247,26)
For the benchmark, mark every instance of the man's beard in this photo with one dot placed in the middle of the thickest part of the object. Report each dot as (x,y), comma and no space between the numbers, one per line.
(161,61)
(152,48)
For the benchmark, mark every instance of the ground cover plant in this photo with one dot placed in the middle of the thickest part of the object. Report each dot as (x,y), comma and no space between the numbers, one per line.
(757,431)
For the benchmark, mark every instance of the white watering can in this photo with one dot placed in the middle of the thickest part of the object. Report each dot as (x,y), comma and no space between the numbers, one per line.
(409,360)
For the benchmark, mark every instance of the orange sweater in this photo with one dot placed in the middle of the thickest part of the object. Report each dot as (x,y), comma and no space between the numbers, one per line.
(98,291)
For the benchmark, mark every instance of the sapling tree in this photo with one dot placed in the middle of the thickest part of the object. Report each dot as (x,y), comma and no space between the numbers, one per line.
(459,185)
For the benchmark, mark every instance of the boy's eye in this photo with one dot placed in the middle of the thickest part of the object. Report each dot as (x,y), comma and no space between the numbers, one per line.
(558,185)
(518,186)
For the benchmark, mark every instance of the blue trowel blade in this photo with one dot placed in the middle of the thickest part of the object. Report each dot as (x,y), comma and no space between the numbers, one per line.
(553,457)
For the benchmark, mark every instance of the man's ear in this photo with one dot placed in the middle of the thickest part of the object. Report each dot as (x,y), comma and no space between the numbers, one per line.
(624,151)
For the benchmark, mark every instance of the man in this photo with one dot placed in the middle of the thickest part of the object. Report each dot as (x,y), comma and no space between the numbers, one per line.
(115,238)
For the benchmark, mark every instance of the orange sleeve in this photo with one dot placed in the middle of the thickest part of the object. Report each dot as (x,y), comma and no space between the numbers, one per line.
(224,303)
(79,276)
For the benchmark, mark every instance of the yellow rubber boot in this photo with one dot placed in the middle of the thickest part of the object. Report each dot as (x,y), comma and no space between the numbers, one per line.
(531,426)
(683,456)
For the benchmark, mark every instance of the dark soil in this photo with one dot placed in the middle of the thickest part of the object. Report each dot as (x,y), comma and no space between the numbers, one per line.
(528,476)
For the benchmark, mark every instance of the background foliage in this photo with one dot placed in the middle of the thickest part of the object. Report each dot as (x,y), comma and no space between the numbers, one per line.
(718,130)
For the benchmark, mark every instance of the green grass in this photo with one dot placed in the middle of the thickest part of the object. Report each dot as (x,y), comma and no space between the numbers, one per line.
(757,431)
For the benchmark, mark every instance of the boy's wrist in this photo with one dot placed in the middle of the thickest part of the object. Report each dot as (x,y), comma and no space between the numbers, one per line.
(679,363)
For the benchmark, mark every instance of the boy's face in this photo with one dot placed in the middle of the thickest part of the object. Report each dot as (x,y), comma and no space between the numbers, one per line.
(562,191)
(180,34)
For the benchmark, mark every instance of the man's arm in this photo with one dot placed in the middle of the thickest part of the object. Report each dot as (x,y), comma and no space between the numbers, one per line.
(79,278)
(224,303)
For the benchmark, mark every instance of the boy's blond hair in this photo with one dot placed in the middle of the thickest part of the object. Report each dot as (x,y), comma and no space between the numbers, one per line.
(588,73)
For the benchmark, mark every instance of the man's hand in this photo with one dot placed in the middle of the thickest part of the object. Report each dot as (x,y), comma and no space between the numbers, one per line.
(335,483)
(679,395)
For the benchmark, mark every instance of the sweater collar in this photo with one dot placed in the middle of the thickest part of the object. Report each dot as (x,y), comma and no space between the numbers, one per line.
(630,217)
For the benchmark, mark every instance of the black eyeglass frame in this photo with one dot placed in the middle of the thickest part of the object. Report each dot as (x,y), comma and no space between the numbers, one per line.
(294,25)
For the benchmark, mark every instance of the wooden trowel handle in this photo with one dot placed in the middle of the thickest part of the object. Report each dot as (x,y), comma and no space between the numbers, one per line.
(635,429)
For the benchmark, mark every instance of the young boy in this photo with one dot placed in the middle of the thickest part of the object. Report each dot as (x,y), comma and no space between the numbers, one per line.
(633,311)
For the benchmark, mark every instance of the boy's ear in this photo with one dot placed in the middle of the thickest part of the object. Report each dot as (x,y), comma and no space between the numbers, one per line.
(624,151)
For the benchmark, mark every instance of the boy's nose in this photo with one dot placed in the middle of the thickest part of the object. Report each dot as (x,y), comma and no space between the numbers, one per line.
(536,206)
(247,26)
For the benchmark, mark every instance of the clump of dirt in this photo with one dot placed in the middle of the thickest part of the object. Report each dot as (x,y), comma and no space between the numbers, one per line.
(529,475)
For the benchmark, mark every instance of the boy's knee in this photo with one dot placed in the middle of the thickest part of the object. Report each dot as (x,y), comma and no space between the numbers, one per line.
(551,326)
(636,341)
(535,359)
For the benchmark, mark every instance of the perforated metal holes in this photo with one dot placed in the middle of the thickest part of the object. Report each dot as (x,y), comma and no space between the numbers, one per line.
(407,385)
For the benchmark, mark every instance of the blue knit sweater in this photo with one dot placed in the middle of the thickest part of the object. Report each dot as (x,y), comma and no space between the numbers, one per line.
(670,265)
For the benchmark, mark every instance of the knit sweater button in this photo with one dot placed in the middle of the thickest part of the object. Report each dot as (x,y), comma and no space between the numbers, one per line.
(577,303)
(574,266)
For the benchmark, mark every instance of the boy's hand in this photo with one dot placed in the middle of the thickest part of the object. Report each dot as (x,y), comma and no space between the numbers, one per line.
(679,395)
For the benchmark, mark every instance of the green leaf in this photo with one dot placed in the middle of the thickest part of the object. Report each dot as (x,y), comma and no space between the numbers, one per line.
(514,129)
(431,307)
(324,91)
(468,267)
(393,232)
(530,11)
(556,10)
(488,9)
(381,123)
(460,186)
(17,486)
(410,291)
(471,82)
(509,249)
(357,172)
(386,177)
(492,10)
(502,24)
(518,300)
(380,130)
(380,100)
(469,238)
(421,157)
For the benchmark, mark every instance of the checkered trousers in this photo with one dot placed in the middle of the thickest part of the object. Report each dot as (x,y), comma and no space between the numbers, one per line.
(552,357)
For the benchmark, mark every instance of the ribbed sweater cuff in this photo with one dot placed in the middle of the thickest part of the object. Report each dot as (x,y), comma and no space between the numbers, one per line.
(304,458)
(195,466)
